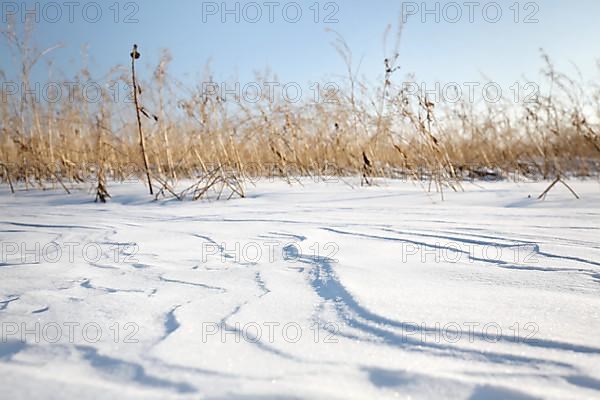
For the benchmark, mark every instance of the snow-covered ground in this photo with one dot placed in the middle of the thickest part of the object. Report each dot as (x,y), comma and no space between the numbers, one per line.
(313,291)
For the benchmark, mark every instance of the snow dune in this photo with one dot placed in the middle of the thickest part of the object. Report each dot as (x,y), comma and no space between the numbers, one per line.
(304,291)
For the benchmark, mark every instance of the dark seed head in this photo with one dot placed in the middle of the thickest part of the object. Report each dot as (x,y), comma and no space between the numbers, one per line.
(135,54)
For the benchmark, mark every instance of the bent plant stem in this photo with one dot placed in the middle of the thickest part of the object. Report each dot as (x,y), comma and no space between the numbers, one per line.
(558,180)
(135,55)
(12,189)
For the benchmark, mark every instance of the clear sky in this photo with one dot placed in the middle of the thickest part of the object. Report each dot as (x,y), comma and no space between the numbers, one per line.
(196,32)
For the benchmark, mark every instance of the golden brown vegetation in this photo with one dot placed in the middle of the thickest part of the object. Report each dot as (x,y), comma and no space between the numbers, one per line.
(385,131)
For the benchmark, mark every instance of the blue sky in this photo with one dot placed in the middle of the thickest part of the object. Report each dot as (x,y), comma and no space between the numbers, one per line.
(505,51)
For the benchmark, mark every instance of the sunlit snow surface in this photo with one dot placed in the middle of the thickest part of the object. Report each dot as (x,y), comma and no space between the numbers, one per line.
(303,291)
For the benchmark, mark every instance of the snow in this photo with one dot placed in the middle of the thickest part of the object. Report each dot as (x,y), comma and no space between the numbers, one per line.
(315,290)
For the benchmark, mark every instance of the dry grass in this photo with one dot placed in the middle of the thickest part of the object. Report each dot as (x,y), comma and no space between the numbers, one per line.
(380,131)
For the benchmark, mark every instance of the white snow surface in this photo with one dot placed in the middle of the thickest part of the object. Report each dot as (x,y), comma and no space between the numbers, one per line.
(314,290)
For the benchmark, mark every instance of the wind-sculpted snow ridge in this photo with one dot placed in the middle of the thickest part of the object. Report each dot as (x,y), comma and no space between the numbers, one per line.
(305,291)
